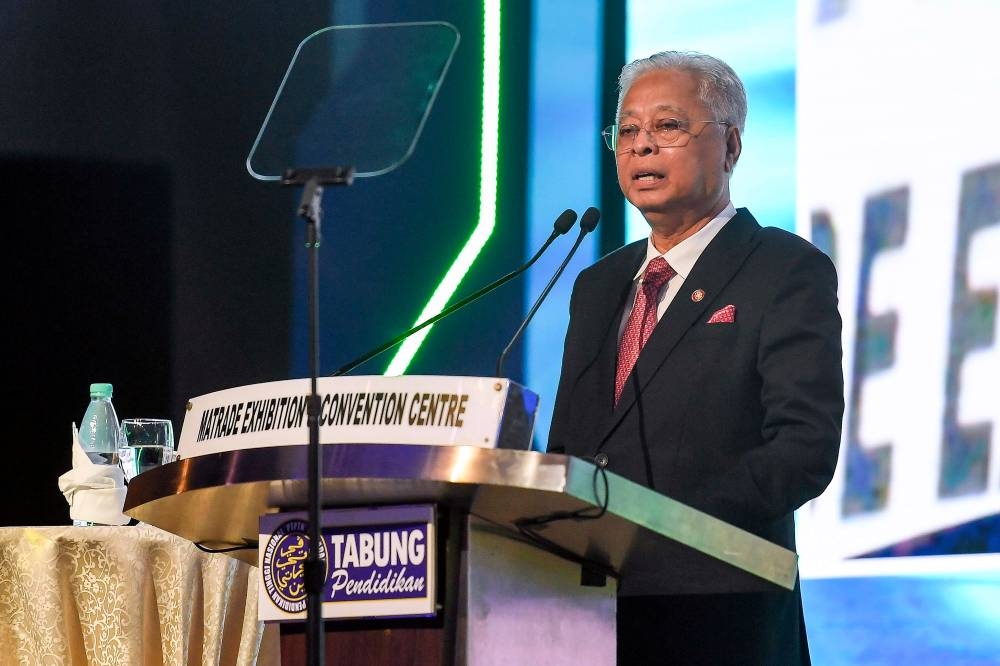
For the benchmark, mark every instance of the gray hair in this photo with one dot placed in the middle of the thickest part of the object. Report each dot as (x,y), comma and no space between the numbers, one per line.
(719,88)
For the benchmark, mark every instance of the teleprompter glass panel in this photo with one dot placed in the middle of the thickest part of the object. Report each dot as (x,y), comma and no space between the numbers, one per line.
(354,96)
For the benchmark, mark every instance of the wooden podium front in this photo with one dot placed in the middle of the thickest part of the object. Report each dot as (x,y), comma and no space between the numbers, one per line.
(513,594)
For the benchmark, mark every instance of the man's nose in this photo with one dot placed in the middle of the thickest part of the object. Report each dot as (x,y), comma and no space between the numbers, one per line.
(643,143)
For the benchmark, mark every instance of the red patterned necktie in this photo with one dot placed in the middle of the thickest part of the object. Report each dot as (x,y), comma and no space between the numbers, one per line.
(642,320)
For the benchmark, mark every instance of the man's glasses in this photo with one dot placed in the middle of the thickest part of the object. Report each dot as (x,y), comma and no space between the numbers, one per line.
(664,133)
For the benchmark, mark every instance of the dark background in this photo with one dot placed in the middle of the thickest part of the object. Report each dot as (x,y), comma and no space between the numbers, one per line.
(140,251)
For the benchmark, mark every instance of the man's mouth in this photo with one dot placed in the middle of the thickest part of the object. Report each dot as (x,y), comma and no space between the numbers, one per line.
(647,176)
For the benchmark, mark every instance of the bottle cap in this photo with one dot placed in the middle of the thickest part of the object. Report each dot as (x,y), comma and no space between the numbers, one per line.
(101,390)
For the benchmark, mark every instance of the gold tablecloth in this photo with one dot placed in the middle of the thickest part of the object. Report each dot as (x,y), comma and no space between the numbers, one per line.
(126,595)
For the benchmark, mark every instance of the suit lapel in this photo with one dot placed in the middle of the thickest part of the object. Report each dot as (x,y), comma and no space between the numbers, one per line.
(714,269)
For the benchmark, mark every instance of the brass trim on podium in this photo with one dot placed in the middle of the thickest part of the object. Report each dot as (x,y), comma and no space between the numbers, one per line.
(215,500)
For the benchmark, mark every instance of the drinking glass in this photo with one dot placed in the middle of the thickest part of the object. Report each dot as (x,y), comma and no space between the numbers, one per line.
(146,443)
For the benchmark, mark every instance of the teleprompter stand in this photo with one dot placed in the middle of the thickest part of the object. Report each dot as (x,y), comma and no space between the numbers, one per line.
(318,118)
(312,182)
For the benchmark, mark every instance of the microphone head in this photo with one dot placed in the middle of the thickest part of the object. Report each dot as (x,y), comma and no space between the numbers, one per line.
(590,218)
(565,221)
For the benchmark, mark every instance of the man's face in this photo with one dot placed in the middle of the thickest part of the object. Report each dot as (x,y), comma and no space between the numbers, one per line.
(691,178)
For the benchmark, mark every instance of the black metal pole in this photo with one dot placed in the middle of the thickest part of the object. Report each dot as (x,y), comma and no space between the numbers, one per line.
(310,209)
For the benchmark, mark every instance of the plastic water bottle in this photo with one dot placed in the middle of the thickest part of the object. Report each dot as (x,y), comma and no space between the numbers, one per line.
(100,431)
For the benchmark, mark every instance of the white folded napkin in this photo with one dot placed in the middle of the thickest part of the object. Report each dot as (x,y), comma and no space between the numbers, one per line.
(96,493)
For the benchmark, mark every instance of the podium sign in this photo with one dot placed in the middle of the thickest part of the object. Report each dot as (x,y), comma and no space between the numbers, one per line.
(411,409)
(379,562)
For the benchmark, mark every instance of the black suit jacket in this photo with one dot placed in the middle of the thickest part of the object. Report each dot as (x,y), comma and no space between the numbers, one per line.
(740,420)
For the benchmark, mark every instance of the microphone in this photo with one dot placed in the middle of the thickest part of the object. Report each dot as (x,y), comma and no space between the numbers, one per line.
(562,224)
(588,223)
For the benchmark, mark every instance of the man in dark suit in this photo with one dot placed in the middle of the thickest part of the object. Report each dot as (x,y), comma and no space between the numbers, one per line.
(703,362)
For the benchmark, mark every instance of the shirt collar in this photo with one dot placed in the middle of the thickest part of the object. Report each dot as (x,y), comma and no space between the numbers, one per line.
(683,256)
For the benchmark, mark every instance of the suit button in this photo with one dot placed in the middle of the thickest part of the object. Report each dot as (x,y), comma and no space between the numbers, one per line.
(601,460)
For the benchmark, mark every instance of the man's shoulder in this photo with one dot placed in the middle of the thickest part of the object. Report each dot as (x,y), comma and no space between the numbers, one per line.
(780,241)
(779,252)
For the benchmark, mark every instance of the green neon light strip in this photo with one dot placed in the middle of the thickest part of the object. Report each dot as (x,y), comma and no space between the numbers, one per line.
(487,191)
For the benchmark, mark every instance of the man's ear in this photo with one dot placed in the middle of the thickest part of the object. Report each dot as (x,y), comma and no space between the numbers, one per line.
(734,146)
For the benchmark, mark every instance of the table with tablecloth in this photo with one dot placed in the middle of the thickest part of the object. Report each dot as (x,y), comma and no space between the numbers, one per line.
(126,595)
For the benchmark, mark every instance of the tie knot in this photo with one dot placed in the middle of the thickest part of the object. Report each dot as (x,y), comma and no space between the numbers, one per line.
(658,271)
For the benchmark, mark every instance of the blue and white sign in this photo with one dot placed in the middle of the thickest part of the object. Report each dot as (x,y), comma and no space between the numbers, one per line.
(379,562)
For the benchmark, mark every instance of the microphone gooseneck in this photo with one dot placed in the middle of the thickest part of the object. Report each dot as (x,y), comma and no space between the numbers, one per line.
(562,224)
(588,223)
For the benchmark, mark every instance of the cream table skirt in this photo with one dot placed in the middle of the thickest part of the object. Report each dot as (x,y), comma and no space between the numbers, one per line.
(126,595)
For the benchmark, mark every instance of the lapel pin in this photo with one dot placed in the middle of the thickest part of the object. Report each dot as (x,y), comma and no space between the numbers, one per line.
(697,295)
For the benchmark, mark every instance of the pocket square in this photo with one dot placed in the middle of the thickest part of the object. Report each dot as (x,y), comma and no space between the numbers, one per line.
(726,315)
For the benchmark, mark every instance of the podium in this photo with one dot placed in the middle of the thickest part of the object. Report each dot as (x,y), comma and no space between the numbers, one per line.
(534,548)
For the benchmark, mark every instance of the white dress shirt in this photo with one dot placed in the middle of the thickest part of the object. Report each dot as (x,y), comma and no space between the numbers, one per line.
(681,258)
